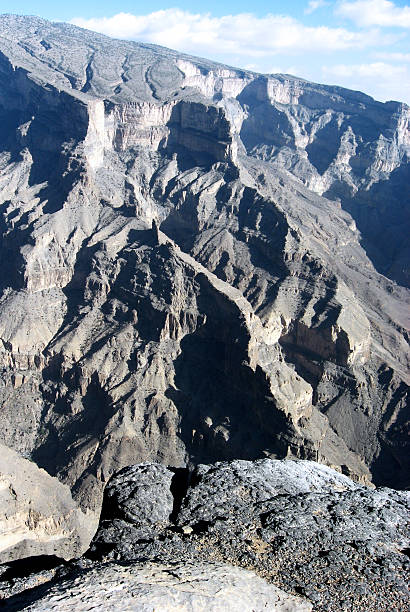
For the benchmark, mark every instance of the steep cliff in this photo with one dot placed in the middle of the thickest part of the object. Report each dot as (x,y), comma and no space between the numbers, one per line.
(199,263)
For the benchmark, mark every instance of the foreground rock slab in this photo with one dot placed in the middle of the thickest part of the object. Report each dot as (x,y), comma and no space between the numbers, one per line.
(166,588)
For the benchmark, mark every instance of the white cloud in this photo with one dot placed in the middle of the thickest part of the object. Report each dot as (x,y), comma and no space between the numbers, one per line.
(314,5)
(393,57)
(242,34)
(376,69)
(381,80)
(368,13)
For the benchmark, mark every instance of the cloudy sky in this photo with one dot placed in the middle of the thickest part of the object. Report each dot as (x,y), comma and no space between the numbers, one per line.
(360,44)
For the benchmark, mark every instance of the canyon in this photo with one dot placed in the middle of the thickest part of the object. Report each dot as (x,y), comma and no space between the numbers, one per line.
(199,264)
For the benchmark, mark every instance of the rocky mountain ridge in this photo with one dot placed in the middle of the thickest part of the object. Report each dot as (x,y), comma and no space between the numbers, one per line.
(203,263)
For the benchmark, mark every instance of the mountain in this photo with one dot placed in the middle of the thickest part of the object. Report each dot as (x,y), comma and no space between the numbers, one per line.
(199,263)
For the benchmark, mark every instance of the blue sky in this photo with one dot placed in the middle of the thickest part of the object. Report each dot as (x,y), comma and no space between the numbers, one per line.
(361,44)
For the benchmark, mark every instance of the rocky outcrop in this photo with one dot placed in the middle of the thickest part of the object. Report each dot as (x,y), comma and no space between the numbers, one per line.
(316,539)
(186,280)
(38,515)
(301,525)
(177,586)
(140,496)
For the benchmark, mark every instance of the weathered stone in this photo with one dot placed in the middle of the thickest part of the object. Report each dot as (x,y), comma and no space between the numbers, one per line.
(228,490)
(303,526)
(138,501)
(177,586)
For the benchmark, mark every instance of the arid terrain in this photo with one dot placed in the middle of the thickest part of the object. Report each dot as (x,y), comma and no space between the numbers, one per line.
(200,264)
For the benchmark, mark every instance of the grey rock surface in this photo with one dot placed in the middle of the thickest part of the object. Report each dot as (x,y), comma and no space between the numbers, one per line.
(194,263)
(138,499)
(304,527)
(165,588)
(238,487)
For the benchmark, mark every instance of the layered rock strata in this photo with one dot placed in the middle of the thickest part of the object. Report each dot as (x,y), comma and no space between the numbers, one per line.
(38,515)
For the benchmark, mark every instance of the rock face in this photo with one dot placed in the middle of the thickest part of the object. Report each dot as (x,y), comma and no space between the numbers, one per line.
(38,515)
(193,263)
(180,586)
(131,499)
(301,525)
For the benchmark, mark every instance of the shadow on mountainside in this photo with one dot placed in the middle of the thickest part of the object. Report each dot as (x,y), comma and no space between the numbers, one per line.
(382,215)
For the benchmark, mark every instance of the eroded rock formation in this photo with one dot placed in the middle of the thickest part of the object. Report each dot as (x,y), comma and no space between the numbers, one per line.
(192,264)
(38,515)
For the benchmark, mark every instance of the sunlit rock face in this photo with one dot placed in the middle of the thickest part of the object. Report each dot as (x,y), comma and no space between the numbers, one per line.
(38,515)
(198,263)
